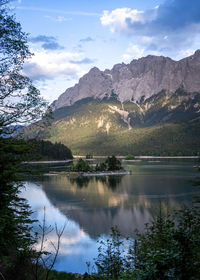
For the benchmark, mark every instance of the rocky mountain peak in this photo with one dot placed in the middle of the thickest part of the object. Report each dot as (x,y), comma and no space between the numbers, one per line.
(145,76)
(94,70)
(197,53)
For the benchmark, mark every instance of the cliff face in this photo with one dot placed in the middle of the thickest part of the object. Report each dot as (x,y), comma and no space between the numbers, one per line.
(143,77)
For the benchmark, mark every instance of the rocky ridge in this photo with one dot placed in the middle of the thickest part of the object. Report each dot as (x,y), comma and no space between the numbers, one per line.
(143,77)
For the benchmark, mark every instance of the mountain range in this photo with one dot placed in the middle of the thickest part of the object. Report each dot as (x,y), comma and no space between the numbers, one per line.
(141,78)
(150,106)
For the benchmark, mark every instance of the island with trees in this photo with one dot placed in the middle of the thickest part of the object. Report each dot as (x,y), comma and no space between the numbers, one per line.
(81,167)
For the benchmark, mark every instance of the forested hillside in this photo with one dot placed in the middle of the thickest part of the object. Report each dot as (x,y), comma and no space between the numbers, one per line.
(164,124)
(45,150)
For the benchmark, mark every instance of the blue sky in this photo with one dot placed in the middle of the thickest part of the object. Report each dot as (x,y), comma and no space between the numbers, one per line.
(70,37)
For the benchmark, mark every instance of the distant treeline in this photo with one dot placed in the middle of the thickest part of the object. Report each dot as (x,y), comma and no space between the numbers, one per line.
(45,150)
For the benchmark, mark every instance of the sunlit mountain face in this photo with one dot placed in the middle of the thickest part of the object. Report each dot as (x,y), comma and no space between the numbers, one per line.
(164,124)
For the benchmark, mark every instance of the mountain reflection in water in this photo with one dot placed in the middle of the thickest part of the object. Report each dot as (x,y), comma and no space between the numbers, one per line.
(98,203)
(92,205)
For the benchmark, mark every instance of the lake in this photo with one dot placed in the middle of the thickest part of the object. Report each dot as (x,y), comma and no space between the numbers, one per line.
(90,206)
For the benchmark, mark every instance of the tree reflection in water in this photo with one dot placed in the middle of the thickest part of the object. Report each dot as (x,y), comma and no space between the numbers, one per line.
(81,182)
(112,182)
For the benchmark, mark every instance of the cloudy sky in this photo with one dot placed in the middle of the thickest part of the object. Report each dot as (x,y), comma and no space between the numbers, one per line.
(68,37)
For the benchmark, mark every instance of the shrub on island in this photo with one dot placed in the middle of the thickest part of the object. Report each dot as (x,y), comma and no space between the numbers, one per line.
(80,166)
(129,157)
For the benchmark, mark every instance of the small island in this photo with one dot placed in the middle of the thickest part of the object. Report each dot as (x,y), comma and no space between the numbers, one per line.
(81,168)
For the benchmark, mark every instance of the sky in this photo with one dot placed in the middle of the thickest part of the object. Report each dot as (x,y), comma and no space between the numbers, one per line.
(69,37)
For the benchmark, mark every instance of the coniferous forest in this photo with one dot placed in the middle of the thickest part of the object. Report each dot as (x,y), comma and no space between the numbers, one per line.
(45,150)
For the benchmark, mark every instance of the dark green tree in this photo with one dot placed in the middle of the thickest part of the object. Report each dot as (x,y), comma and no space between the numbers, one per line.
(101,166)
(170,247)
(15,222)
(20,102)
(80,166)
(113,163)
(40,149)
(110,262)
(110,164)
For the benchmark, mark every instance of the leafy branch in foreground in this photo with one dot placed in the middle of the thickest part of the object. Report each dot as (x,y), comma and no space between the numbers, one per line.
(110,261)
(44,261)
(169,248)
(20,101)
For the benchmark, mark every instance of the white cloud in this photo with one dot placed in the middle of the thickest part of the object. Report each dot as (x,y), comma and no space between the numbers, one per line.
(116,19)
(127,57)
(133,52)
(52,72)
(135,49)
(187,52)
(58,18)
(170,27)
(50,64)
(146,39)
(50,92)
(121,19)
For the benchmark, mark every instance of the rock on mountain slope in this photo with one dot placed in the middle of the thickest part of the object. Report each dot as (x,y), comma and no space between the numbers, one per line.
(143,77)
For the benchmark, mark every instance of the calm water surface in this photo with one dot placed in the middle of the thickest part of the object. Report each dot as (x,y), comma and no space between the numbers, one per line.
(91,206)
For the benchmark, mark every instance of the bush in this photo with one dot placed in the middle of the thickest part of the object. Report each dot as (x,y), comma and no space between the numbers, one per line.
(101,167)
(80,166)
(129,157)
(168,249)
(110,261)
(113,163)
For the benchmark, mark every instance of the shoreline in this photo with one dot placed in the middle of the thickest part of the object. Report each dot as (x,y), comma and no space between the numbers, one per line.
(47,161)
(99,157)
(143,157)
(90,174)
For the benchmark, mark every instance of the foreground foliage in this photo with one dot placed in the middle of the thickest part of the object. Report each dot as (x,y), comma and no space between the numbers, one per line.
(20,102)
(110,261)
(18,258)
(169,248)
(15,222)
